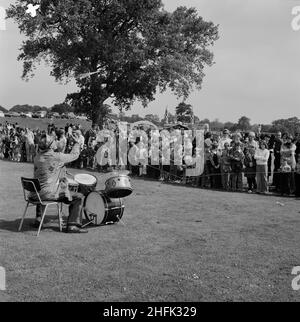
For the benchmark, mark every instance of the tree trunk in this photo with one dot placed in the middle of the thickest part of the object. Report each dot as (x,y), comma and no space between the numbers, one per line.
(97,115)
(97,100)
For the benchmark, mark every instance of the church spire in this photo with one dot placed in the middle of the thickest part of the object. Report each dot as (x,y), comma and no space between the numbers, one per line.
(166,116)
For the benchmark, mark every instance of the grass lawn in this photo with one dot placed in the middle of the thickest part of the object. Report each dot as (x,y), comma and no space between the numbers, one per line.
(178,244)
(42,124)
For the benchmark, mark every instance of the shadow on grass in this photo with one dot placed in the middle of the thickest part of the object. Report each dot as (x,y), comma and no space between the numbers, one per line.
(13,226)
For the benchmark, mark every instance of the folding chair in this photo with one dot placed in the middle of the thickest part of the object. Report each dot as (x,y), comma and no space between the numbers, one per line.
(33,186)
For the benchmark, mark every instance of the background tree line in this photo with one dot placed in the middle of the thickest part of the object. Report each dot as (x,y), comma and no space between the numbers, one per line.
(183,113)
(290,125)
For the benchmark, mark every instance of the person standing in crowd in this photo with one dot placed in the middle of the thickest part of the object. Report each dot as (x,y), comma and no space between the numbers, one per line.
(225,165)
(91,138)
(284,137)
(53,136)
(208,139)
(2,137)
(285,178)
(270,143)
(297,177)
(250,164)
(252,143)
(250,168)
(15,148)
(6,142)
(237,163)
(297,143)
(93,141)
(288,150)
(271,157)
(91,134)
(205,179)
(13,141)
(92,149)
(142,157)
(277,160)
(224,139)
(52,129)
(80,138)
(22,140)
(37,137)
(262,156)
(29,145)
(214,167)
(61,142)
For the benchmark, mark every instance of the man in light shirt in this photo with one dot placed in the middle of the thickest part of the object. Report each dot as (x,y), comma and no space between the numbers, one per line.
(80,139)
(29,145)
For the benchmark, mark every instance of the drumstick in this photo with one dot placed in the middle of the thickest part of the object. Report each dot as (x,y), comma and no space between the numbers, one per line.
(70,174)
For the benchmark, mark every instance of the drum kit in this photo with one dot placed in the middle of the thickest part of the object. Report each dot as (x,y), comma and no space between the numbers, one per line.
(102,207)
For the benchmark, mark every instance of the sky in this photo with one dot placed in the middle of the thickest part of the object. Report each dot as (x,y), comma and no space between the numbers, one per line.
(256,71)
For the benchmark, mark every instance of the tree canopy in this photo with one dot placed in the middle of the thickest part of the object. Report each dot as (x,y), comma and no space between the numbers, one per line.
(184,112)
(244,123)
(290,125)
(3,109)
(134,46)
(61,108)
(28,108)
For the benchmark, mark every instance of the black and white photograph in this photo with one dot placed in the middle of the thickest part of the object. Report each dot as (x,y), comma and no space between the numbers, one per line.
(149,153)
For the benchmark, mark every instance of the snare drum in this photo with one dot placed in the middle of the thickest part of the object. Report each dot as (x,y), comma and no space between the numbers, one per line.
(87,183)
(107,211)
(118,186)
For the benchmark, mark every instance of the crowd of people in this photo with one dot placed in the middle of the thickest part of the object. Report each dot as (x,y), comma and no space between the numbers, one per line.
(229,159)
(258,158)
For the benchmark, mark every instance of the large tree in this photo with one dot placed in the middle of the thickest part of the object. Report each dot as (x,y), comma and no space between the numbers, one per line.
(134,46)
(61,108)
(244,123)
(3,109)
(290,125)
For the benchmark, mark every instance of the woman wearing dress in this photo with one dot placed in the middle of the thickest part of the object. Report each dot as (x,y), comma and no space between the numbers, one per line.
(262,156)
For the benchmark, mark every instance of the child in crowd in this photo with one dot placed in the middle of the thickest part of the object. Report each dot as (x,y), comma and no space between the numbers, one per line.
(225,165)
(237,163)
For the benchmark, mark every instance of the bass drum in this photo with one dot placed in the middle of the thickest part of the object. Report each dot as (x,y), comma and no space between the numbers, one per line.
(107,211)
